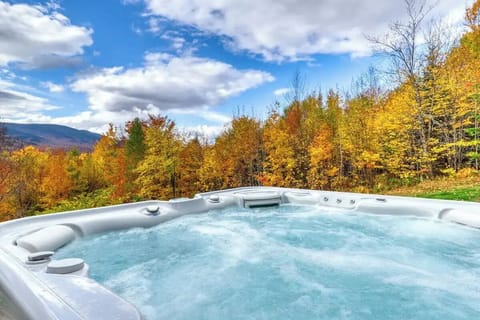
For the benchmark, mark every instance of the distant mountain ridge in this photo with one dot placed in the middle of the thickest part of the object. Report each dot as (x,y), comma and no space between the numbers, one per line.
(51,135)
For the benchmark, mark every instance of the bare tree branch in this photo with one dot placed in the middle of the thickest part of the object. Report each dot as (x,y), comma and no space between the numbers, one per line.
(401,43)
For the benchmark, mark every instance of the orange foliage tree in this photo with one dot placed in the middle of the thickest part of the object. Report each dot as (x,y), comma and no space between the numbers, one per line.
(367,139)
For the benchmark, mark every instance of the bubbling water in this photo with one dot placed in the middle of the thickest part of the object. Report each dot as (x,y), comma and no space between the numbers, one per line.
(290,262)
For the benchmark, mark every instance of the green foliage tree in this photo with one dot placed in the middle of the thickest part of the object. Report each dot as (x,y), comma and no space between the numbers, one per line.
(135,149)
(135,143)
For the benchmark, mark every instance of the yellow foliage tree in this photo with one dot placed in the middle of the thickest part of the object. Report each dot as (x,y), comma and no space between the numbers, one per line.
(280,157)
(24,186)
(157,172)
(55,185)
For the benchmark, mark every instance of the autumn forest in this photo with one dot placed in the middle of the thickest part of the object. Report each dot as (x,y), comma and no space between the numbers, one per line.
(417,118)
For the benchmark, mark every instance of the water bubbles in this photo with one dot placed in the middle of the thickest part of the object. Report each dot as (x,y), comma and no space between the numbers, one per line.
(290,262)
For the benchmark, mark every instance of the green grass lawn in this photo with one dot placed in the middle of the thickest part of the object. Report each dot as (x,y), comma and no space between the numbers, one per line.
(465,194)
(448,188)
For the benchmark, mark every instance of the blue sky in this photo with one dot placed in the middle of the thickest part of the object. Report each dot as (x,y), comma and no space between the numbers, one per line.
(88,63)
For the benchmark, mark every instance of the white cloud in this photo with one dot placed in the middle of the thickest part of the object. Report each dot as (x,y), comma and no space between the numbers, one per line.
(97,121)
(15,103)
(7,74)
(203,131)
(39,36)
(177,42)
(53,87)
(214,116)
(167,83)
(154,25)
(205,113)
(53,4)
(153,58)
(281,91)
(288,29)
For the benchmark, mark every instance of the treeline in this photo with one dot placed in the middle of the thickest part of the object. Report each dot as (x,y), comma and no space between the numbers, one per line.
(369,139)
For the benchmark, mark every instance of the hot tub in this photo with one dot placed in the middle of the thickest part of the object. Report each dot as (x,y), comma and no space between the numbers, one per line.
(246,253)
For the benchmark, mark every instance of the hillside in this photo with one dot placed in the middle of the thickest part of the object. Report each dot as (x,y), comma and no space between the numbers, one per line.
(51,135)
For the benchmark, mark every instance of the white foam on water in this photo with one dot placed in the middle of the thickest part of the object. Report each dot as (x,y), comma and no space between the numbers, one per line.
(135,285)
(236,241)
(428,229)
(292,262)
(464,287)
(291,274)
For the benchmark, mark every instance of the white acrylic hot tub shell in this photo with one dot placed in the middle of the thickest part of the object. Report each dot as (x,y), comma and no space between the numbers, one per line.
(41,295)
